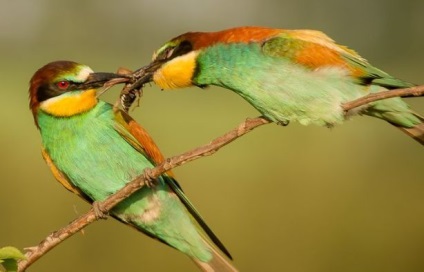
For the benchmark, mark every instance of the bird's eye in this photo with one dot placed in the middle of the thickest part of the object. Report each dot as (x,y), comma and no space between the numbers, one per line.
(63,84)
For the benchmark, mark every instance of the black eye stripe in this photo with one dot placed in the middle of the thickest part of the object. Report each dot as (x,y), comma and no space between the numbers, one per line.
(183,48)
(176,51)
(47,91)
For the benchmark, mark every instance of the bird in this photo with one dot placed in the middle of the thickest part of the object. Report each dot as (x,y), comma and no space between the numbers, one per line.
(287,75)
(93,150)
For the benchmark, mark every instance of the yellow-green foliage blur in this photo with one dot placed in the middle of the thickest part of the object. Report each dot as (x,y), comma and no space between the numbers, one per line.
(289,198)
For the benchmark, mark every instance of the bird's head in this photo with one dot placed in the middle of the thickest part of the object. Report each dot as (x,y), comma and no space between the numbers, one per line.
(65,88)
(175,64)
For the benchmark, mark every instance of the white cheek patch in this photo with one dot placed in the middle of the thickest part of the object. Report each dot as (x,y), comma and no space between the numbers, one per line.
(83,74)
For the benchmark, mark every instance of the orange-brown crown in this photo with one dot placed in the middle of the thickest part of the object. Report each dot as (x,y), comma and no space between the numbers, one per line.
(310,48)
(244,34)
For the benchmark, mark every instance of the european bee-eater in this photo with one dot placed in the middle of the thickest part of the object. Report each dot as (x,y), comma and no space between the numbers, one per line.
(287,75)
(94,150)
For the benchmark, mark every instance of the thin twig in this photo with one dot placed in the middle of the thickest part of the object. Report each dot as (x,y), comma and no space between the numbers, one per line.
(406,92)
(78,224)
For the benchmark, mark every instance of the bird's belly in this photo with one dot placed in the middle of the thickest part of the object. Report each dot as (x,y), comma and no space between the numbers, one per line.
(278,87)
(305,97)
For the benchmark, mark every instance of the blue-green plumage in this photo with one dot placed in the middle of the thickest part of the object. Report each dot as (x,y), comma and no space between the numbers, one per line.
(70,142)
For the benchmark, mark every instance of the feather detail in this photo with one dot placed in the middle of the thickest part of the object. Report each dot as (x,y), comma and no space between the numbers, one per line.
(141,140)
(138,137)
(314,52)
(416,132)
(196,215)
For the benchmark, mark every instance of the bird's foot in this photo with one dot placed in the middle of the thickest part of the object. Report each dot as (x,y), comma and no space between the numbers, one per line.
(283,123)
(99,212)
(149,180)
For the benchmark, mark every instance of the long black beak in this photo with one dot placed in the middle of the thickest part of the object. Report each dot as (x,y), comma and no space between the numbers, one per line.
(145,74)
(97,80)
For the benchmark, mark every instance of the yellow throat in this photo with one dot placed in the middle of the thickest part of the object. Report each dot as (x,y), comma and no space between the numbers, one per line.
(177,73)
(70,103)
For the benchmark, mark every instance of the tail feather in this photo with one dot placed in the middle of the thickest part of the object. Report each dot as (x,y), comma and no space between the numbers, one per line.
(398,113)
(218,263)
(196,215)
(416,132)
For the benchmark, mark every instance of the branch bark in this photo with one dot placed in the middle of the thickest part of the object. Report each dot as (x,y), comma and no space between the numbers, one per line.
(406,92)
(34,253)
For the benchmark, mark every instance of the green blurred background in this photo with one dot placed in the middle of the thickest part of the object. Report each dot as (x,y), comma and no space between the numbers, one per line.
(281,198)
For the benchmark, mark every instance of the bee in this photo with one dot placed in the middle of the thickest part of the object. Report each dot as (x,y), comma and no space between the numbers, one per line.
(128,98)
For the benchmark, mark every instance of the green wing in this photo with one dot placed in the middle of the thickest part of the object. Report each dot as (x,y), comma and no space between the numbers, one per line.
(138,137)
(313,50)
(62,178)
(196,215)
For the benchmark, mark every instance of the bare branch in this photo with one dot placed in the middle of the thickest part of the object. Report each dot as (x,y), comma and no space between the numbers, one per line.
(406,92)
(34,253)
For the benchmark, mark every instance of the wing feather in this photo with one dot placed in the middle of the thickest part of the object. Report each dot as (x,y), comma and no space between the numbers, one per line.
(62,178)
(138,137)
(314,50)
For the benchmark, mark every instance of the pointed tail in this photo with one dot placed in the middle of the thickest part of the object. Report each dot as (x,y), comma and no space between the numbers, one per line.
(218,262)
(416,132)
(397,112)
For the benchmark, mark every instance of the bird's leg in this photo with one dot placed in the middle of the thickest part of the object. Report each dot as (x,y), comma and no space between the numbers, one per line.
(149,180)
(98,211)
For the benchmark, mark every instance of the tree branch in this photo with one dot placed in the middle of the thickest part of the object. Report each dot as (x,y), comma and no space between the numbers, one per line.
(34,253)
(406,92)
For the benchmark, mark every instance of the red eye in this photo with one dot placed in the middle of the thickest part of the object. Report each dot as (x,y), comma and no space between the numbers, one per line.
(63,84)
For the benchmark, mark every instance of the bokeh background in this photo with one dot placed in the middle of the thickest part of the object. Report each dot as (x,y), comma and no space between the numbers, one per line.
(281,198)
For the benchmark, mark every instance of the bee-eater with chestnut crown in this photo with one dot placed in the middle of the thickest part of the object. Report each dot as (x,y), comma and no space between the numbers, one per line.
(287,75)
(94,150)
